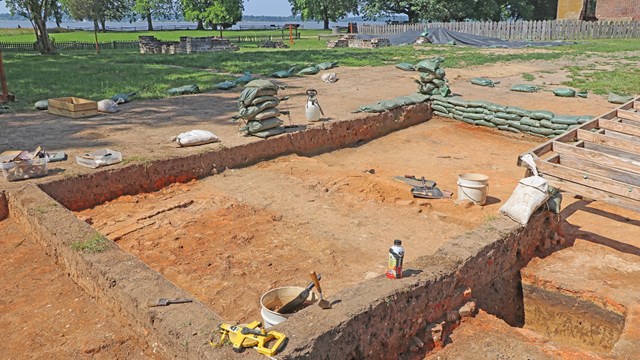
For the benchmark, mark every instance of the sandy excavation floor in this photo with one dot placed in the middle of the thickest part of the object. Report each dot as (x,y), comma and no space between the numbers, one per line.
(244,232)
(45,315)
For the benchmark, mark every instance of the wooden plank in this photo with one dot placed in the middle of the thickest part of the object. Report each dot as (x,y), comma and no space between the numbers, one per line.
(591,180)
(597,157)
(625,145)
(592,193)
(548,146)
(597,169)
(619,127)
(611,151)
(619,135)
(72,114)
(629,115)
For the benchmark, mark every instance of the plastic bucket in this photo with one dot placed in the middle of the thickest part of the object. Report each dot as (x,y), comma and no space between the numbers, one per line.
(473,187)
(275,299)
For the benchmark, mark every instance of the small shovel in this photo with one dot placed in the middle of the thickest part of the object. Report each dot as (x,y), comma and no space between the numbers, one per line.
(297,301)
(167,302)
(322,303)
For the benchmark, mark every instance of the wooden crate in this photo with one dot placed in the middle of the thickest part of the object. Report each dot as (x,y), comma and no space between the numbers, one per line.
(73,107)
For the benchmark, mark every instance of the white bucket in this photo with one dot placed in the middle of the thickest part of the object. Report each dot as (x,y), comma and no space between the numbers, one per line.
(276,298)
(473,187)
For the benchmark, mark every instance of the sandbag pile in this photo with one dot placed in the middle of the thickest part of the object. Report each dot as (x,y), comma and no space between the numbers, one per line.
(509,118)
(257,105)
(384,105)
(432,77)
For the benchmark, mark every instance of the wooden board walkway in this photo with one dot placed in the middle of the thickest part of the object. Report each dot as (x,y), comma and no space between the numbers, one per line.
(599,160)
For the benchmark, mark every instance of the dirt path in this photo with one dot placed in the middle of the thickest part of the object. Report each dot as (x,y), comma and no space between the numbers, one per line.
(45,315)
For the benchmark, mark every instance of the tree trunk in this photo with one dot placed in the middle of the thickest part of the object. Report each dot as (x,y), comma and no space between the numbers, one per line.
(43,44)
(412,16)
(102,25)
(325,18)
(149,22)
(326,24)
(200,25)
(95,33)
(220,28)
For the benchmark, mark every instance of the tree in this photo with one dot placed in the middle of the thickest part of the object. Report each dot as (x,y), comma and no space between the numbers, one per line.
(37,11)
(220,13)
(150,9)
(97,11)
(323,10)
(372,9)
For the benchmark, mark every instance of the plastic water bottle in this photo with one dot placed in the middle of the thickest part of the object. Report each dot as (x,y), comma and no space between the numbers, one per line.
(396,255)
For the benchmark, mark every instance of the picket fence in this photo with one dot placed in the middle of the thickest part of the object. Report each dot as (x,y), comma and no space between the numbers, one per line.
(524,30)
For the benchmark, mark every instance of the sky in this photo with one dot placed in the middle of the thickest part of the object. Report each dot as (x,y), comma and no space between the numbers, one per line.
(251,7)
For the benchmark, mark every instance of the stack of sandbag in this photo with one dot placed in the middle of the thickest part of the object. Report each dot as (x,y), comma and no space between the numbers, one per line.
(384,105)
(432,77)
(509,118)
(257,105)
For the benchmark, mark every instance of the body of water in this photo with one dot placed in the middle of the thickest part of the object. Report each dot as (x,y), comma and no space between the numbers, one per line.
(166,25)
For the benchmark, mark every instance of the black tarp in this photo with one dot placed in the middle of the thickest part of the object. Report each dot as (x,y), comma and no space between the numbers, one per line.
(442,36)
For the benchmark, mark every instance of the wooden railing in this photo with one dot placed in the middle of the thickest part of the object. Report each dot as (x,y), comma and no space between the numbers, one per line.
(524,30)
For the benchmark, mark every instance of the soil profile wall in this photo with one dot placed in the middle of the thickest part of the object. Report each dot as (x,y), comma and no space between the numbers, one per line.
(86,191)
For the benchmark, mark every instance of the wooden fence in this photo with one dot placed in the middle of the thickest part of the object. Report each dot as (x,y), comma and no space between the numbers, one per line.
(132,44)
(524,30)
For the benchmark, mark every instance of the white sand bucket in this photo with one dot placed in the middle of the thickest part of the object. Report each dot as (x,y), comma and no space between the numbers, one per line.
(473,187)
(275,299)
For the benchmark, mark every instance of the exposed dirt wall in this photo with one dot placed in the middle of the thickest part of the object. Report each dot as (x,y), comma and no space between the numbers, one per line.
(4,206)
(379,317)
(87,191)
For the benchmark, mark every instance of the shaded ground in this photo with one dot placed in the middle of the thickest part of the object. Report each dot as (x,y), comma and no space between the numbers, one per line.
(247,231)
(45,315)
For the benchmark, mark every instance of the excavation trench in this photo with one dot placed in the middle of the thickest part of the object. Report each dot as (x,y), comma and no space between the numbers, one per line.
(323,199)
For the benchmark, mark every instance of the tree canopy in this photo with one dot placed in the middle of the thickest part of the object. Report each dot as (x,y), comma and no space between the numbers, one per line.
(38,12)
(215,12)
(150,9)
(323,10)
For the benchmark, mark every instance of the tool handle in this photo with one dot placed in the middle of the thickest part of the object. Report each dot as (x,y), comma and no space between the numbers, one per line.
(179,301)
(316,281)
(409,176)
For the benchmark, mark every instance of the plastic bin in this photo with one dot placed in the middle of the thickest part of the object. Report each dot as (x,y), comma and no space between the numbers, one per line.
(99,158)
(25,169)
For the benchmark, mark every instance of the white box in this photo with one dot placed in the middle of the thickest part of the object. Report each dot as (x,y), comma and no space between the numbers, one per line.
(99,158)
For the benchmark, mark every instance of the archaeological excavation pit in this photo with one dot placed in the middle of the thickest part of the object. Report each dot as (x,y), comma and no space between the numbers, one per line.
(274,210)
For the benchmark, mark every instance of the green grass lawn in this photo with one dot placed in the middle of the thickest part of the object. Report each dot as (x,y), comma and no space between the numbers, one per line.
(34,77)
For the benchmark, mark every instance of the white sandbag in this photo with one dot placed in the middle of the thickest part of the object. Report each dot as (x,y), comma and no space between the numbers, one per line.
(107,105)
(196,137)
(329,77)
(529,195)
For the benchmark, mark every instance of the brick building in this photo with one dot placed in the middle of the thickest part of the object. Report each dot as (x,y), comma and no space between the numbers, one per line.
(604,10)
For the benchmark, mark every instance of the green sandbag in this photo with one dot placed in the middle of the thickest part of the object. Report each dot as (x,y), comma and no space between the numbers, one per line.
(509,128)
(517,125)
(427,89)
(440,98)
(482,82)
(419,98)
(518,111)
(439,108)
(261,99)
(247,77)
(496,108)
(548,124)
(542,130)
(564,92)
(267,113)
(507,116)
(42,105)
(585,118)
(461,118)
(182,90)
(524,88)
(389,104)
(282,74)
(405,66)
(541,115)
(248,95)
(619,99)
(536,134)
(311,70)
(258,126)
(559,132)
(427,65)
(122,98)
(329,65)
(444,91)
(496,120)
(582,94)
(426,78)
(262,85)
(457,101)
(530,122)
(471,110)
(447,115)
(440,73)
(370,108)
(439,82)
(250,112)
(565,119)
(478,103)
(225,85)
(474,116)
(485,123)
(271,132)
(404,100)
(443,104)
